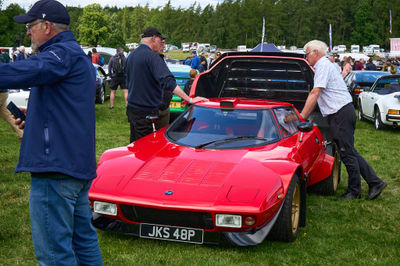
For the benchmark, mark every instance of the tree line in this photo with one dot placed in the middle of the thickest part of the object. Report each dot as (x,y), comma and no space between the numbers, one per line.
(228,24)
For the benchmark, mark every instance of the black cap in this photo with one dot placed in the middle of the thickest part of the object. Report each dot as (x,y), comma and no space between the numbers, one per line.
(151,31)
(50,10)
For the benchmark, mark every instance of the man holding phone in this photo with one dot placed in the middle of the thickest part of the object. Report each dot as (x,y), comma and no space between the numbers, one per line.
(58,147)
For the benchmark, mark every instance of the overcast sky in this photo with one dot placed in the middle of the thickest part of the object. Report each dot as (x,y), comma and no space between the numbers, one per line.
(26,4)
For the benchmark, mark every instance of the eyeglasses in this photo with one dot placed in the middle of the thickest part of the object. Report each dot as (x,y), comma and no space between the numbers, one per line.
(30,25)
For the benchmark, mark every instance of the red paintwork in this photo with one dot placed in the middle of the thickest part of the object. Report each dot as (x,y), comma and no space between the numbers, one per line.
(236,181)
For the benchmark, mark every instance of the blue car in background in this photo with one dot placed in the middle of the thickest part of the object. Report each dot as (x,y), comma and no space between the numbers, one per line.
(359,80)
(181,74)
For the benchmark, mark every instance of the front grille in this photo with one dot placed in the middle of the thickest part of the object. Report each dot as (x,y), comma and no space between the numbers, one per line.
(167,217)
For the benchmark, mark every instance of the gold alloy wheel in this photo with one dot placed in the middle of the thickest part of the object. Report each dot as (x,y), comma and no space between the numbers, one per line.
(295,208)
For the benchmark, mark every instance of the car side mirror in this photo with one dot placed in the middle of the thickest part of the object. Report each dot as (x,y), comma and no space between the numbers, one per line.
(305,126)
(153,120)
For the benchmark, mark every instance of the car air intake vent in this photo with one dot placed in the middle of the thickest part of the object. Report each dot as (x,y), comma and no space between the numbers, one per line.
(167,217)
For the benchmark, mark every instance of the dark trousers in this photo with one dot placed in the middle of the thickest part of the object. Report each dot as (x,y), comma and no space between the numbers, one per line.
(139,125)
(341,126)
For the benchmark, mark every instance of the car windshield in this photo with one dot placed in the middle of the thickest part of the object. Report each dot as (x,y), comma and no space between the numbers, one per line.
(369,77)
(218,128)
(387,86)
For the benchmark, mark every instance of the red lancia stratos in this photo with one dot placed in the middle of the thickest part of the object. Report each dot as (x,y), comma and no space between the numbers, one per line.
(235,169)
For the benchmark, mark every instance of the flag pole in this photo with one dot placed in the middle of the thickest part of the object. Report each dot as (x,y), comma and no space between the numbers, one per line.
(263,34)
(330,38)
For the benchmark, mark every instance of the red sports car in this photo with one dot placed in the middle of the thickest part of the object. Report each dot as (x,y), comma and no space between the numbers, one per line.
(232,168)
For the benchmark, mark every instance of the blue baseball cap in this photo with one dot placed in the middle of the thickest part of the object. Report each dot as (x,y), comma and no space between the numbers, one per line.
(49,10)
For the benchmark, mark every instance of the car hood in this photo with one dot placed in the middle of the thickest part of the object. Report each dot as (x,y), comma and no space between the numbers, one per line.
(175,176)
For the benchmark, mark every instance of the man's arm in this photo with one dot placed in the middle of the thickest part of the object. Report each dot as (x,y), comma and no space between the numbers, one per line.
(179,92)
(311,102)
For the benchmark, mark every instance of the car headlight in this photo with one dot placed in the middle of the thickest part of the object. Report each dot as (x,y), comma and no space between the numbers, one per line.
(393,112)
(228,220)
(105,208)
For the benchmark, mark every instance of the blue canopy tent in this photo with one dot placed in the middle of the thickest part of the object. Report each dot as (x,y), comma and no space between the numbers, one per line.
(266,47)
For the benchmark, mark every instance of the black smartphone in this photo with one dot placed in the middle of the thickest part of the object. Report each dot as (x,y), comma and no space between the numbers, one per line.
(15,111)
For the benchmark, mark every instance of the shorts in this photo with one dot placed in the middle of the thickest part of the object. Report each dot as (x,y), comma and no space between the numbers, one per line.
(115,81)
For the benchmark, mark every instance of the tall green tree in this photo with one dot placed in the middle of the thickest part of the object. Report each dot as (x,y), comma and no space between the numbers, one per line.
(12,33)
(93,29)
(363,32)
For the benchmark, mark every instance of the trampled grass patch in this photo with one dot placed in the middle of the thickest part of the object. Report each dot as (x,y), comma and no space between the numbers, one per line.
(356,232)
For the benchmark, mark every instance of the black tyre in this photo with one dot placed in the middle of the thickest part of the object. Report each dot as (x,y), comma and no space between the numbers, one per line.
(101,96)
(378,122)
(329,185)
(286,226)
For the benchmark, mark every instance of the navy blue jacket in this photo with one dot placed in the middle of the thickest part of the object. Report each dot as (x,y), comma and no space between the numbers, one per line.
(147,77)
(59,134)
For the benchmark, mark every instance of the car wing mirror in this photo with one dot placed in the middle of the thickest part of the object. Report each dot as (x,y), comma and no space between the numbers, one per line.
(153,120)
(304,127)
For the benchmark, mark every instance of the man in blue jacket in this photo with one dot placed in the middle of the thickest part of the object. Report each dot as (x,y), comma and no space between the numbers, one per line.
(58,146)
(195,64)
(147,78)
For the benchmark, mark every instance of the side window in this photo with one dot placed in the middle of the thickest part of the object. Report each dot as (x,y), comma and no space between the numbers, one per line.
(287,114)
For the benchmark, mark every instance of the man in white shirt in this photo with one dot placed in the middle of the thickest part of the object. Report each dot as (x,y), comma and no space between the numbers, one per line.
(335,103)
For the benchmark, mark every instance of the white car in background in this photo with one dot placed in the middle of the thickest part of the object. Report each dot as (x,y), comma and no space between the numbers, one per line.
(381,103)
(19,96)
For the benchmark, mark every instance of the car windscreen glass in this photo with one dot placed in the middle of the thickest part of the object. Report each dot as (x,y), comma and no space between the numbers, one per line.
(387,86)
(216,128)
(369,77)
(384,83)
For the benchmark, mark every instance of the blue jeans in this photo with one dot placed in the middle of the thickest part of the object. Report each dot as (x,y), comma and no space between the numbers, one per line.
(62,232)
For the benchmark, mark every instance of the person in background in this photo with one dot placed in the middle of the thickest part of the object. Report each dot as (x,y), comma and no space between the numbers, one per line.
(95,57)
(4,113)
(14,53)
(203,65)
(360,64)
(203,57)
(336,104)
(21,55)
(188,85)
(58,147)
(347,68)
(370,65)
(195,62)
(5,56)
(116,70)
(332,59)
(216,56)
(147,77)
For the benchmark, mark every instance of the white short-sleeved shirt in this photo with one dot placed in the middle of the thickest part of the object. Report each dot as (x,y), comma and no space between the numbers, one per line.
(334,94)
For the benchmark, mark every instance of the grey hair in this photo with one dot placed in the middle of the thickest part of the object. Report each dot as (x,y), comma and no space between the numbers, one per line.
(58,26)
(146,39)
(120,50)
(320,46)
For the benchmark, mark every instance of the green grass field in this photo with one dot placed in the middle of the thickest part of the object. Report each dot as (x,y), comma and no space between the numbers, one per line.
(357,232)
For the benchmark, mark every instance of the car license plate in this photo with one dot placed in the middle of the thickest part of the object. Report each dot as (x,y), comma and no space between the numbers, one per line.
(175,105)
(172,233)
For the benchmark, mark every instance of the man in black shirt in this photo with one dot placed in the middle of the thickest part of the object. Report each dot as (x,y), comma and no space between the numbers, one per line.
(147,76)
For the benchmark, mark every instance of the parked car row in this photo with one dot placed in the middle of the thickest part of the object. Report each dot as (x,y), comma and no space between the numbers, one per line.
(381,102)
(21,96)
(357,81)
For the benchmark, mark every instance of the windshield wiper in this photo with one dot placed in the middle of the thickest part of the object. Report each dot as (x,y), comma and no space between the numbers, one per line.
(227,140)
